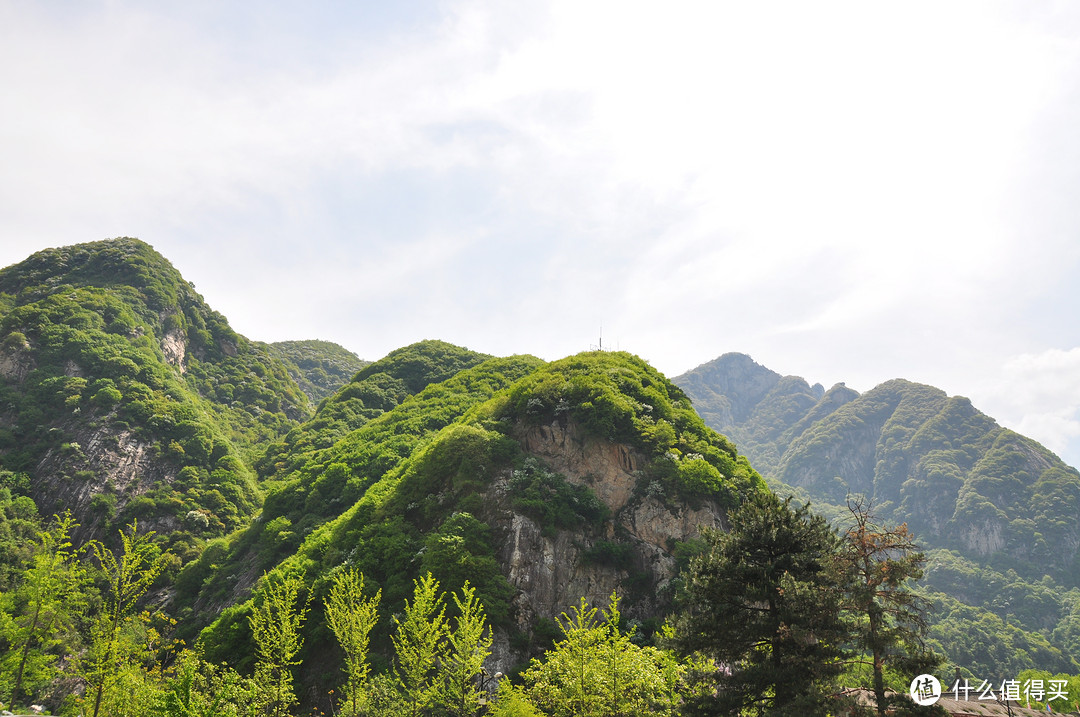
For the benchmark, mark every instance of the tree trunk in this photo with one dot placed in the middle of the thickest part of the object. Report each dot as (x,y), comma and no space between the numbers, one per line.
(25,654)
(875,649)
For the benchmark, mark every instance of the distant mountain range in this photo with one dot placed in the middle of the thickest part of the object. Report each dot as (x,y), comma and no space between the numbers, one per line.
(955,476)
(999,512)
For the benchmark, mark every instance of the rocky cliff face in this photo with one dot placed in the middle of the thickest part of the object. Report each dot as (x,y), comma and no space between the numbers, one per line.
(174,349)
(114,466)
(16,360)
(552,571)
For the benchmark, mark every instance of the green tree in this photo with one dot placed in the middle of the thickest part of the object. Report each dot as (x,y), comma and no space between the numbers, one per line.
(890,619)
(352,616)
(470,644)
(201,689)
(598,670)
(275,626)
(763,602)
(47,603)
(567,681)
(142,648)
(1072,694)
(128,575)
(512,702)
(419,641)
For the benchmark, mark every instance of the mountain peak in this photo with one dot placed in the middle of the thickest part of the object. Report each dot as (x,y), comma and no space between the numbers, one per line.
(130,397)
(726,389)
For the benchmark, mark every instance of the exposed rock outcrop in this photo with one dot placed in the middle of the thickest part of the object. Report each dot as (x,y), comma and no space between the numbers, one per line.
(100,461)
(16,361)
(174,348)
(552,570)
(607,468)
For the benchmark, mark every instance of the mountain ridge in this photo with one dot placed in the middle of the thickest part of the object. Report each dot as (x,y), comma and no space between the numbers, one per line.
(128,397)
(925,457)
(573,478)
(987,504)
(124,396)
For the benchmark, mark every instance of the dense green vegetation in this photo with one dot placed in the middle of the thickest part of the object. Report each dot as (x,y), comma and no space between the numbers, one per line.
(998,513)
(319,367)
(124,397)
(553,502)
(620,398)
(376,389)
(133,667)
(108,352)
(413,480)
(989,620)
(769,664)
(327,483)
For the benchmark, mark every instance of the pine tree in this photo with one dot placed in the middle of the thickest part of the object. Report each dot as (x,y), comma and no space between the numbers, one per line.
(764,603)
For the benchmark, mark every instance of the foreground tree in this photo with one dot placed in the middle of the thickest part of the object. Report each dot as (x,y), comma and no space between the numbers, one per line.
(598,670)
(419,641)
(201,689)
(470,644)
(351,616)
(890,625)
(129,575)
(275,627)
(764,602)
(44,606)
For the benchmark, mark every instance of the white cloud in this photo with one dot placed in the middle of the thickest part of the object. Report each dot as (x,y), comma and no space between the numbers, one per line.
(859,190)
(1039,395)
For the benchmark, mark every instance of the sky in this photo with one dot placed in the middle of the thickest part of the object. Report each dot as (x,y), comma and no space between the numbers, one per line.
(846,191)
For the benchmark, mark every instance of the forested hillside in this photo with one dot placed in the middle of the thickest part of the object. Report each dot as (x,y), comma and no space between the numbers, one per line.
(999,513)
(128,399)
(318,367)
(195,523)
(596,460)
(124,396)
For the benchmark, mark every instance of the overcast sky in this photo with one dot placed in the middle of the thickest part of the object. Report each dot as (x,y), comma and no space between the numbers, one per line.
(846,191)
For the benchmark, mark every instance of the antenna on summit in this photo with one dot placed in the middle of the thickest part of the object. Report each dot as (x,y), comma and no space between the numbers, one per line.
(600,346)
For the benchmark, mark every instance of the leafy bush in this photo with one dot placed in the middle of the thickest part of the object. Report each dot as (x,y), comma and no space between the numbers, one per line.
(460,550)
(611,553)
(551,501)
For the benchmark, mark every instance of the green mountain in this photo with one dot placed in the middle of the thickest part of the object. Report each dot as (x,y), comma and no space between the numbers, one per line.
(318,367)
(124,396)
(538,483)
(999,513)
(323,466)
